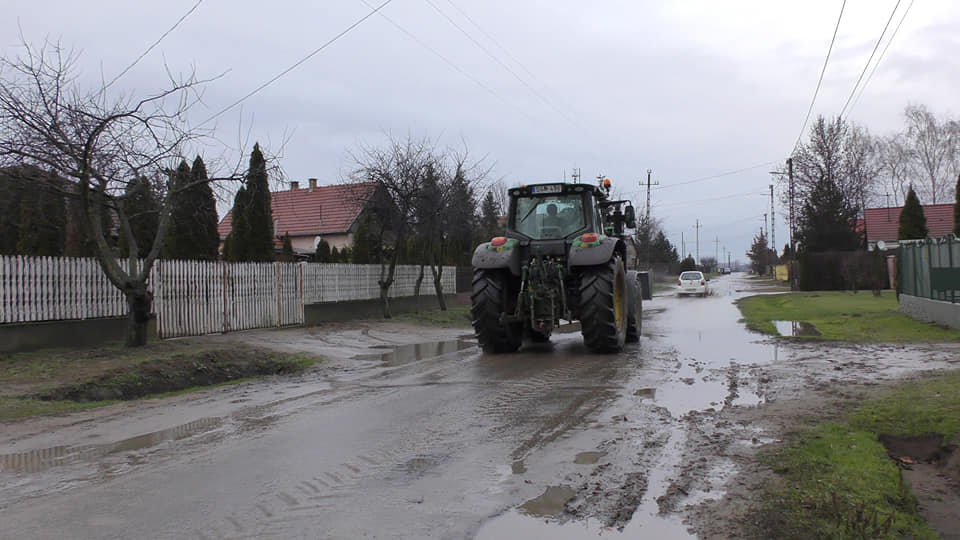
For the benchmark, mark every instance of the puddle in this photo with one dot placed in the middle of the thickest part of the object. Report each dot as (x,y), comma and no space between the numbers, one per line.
(588,458)
(550,504)
(646,393)
(403,354)
(796,328)
(40,460)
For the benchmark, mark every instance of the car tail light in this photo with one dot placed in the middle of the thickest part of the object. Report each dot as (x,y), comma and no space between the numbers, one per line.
(589,238)
(498,241)
(679,283)
(702,282)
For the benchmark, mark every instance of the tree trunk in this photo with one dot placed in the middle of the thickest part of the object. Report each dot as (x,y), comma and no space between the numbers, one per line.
(438,285)
(416,288)
(139,304)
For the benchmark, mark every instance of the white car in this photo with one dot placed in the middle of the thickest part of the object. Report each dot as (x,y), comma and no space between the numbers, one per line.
(692,283)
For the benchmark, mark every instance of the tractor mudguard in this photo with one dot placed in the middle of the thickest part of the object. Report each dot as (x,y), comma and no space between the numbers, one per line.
(488,257)
(593,255)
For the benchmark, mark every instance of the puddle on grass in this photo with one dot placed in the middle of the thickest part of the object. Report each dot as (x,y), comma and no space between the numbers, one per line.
(796,328)
(403,354)
(46,458)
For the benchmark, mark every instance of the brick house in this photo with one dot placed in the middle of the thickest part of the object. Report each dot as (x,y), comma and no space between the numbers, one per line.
(313,213)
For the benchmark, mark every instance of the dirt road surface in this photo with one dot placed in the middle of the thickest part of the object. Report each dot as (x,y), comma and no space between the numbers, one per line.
(409,432)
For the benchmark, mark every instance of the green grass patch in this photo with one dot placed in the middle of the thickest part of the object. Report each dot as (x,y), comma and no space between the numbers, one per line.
(839,482)
(16,407)
(842,316)
(456,316)
(915,409)
(837,478)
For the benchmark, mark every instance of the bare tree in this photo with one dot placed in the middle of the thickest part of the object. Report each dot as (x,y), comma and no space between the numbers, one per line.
(398,169)
(896,166)
(934,147)
(101,144)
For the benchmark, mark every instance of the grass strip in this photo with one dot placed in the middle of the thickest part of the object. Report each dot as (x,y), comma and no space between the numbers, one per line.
(837,480)
(841,316)
(456,316)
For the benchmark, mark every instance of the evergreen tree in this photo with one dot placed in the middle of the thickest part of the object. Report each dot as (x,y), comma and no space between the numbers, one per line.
(759,254)
(324,254)
(11,191)
(286,250)
(251,234)
(207,238)
(913,224)
(461,219)
(335,256)
(688,264)
(193,229)
(367,247)
(142,207)
(956,209)
(490,215)
(42,223)
(827,220)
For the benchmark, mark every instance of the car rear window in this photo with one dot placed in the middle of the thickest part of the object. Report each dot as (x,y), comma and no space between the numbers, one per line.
(691,275)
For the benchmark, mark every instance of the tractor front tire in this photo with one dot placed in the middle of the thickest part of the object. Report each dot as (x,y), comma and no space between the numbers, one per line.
(635,308)
(604,306)
(491,296)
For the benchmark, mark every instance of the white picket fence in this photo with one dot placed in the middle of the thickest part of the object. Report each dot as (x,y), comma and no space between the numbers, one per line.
(195,297)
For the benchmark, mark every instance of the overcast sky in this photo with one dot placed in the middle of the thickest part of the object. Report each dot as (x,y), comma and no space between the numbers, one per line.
(688,89)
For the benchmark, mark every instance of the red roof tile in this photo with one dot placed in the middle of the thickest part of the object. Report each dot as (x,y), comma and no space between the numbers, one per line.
(882,223)
(312,212)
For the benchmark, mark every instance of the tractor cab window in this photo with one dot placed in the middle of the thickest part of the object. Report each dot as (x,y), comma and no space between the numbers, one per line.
(544,218)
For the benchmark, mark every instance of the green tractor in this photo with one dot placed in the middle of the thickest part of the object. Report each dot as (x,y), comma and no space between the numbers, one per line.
(563,256)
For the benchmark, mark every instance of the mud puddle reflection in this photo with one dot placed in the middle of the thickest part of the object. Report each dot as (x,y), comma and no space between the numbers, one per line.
(46,458)
(796,328)
(397,355)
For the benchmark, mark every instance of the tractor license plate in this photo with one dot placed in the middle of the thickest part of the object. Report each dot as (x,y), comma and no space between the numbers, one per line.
(549,188)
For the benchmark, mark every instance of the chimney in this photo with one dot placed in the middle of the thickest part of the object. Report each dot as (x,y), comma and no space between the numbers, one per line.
(294,186)
(313,183)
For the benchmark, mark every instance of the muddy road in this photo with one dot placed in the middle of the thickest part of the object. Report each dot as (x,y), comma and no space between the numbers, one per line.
(413,433)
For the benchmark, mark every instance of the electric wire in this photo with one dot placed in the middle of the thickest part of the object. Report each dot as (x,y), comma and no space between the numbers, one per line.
(329,42)
(882,54)
(820,80)
(155,43)
(453,65)
(509,70)
(870,59)
(684,204)
(719,175)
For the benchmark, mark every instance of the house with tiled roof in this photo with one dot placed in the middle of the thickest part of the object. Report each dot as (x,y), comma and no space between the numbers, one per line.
(313,213)
(883,223)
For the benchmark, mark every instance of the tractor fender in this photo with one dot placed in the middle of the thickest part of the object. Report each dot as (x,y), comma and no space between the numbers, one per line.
(592,256)
(490,258)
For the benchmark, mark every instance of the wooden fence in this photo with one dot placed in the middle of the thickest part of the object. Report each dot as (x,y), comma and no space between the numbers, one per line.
(195,297)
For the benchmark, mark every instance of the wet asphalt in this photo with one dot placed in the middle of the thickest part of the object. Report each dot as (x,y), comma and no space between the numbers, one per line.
(401,435)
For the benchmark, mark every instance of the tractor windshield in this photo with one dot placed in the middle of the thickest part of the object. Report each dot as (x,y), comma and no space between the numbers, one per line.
(555,216)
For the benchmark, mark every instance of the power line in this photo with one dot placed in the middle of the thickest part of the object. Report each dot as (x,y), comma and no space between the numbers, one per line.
(682,204)
(882,54)
(820,80)
(867,65)
(496,59)
(155,43)
(728,173)
(299,62)
(453,64)
(504,50)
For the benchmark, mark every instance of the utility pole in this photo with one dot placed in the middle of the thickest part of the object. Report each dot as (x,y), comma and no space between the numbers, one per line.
(649,171)
(773,225)
(698,242)
(683,247)
(765,229)
(793,249)
(716,250)
(576,175)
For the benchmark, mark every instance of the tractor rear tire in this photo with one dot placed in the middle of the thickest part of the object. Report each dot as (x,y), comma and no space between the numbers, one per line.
(491,296)
(635,308)
(603,306)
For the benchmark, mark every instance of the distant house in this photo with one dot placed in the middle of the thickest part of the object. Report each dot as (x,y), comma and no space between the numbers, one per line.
(331,213)
(883,223)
